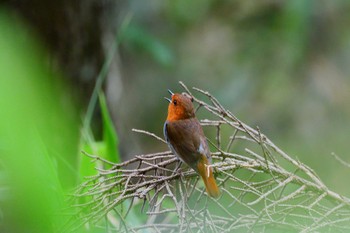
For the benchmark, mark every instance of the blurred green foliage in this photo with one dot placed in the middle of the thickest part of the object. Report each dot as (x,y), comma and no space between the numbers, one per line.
(38,134)
(137,39)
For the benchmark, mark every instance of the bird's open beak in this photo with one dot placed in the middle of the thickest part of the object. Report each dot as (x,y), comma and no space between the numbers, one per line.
(171,93)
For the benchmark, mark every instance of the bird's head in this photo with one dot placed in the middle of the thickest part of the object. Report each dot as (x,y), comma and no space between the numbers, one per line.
(180,106)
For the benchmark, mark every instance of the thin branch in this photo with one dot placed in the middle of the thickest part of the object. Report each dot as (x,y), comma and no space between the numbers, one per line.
(150,134)
(262,187)
(346,164)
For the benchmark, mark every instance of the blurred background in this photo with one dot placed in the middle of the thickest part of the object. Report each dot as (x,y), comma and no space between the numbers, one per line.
(280,65)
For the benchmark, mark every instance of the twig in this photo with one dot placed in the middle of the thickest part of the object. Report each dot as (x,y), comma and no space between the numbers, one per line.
(262,187)
(148,133)
(346,164)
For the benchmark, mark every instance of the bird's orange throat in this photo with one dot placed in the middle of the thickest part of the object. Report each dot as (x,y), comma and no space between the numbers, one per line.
(176,113)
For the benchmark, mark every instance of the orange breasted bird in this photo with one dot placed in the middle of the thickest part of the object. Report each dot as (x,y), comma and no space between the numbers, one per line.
(186,139)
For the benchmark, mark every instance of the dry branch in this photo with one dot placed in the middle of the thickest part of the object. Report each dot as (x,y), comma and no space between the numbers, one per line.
(262,187)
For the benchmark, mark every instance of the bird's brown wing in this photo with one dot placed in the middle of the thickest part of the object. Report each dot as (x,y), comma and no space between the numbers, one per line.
(186,140)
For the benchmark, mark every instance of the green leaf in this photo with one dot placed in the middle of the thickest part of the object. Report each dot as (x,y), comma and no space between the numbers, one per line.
(106,149)
(110,138)
(140,40)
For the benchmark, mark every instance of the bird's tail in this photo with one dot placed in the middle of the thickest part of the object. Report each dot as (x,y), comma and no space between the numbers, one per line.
(207,175)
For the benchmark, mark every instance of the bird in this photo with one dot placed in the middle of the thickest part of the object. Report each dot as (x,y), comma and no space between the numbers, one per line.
(185,138)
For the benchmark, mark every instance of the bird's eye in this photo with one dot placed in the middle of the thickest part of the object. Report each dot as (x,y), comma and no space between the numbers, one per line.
(175,102)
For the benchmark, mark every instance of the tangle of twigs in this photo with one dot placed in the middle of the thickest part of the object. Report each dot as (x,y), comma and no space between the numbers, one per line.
(262,187)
